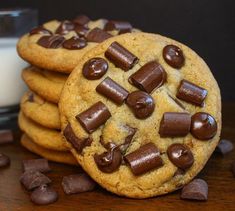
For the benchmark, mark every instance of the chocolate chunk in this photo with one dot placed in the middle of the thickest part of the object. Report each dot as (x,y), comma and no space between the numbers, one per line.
(144,159)
(44,195)
(65,27)
(40,30)
(233,168)
(191,93)
(141,104)
(77,143)
(122,26)
(36,165)
(33,179)
(180,155)
(203,126)
(120,56)
(175,124)
(152,75)
(94,117)
(224,146)
(123,147)
(112,91)
(81,30)
(195,190)
(4,160)
(6,137)
(31,97)
(77,183)
(81,20)
(53,41)
(97,35)
(95,68)
(173,56)
(74,43)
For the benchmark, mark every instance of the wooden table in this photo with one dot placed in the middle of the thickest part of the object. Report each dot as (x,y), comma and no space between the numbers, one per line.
(217,173)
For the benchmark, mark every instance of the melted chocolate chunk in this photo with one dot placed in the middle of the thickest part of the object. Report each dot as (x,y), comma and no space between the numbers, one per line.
(77,183)
(97,35)
(81,20)
(144,159)
(74,43)
(180,155)
(175,124)
(40,30)
(120,56)
(224,147)
(122,26)
(141,103)
(4,160)
(65,27)
(81,30)
(173,56)
(191,93)
(149,77)
(36,165)
(195,190)
(6,137)
(109,161)
(95,116)
(123,147)
(95,68)
(77,143)
(53,41)
(203,126)
(112,91)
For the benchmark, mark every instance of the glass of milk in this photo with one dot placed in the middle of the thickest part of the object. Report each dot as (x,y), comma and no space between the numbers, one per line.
(13,24)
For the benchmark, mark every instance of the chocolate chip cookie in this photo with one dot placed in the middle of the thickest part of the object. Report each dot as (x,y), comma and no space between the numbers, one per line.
(143,116)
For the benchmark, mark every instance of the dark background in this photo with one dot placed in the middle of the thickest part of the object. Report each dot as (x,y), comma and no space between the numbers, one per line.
(207,26)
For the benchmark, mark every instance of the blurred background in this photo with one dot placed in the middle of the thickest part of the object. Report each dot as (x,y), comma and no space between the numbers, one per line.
(206,26)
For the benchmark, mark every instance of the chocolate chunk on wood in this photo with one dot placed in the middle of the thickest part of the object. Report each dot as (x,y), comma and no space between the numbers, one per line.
(4,160)
(224,146)
(6,137)
(40,165)
(97,35)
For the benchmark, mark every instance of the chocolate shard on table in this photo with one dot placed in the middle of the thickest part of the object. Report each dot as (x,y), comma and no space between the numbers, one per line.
(81,20)
(97,35)
(6,137)
(191,93)
(4,160)
(233,168)
(120,56)
(40,30)
(112,90)
(195,190)
(40,165)
(51,41)
(44,195)
(173,56)
(141,104)
(74,43)
(149,77)
(95,68)
(33,179)
(203,126)
(144,159)
(65,27)
(224,147)
(175,124)
(122,26)
(77,183)
(78,143)
(95,116)
(180,155)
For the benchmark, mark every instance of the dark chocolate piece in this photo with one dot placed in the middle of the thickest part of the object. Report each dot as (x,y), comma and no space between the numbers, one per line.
(173,56)
(33,179)
(123,147)
(120,56)
(110,160)
(149,77)
(36,165)
(81,30)
(77,143)
(44,195)
(144,159)
(112,91)
(4,160)
(95,68)
(195,190)
(175,124)
(191,93)
(224,146)
(74,43)
(180,155)
(53,41)
(81,20)
(122,26)
(233,168)
(40,30)
(141,104)
(77,183)
(203,126)
(94,117)
(97,35)
(65,27)
(6,137)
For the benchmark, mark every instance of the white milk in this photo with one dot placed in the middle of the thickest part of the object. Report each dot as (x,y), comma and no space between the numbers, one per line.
(12,86)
